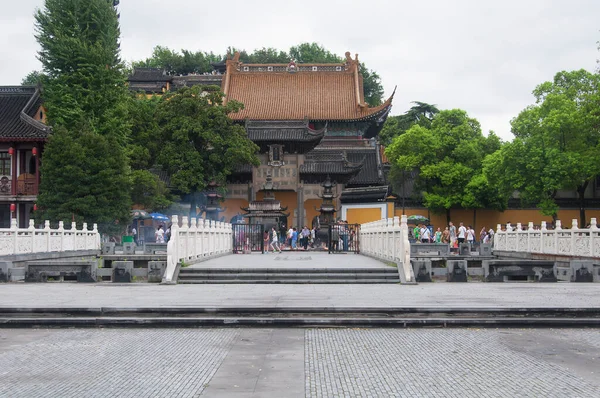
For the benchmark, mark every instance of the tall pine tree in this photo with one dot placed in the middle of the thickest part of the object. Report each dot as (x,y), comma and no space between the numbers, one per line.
(85,173)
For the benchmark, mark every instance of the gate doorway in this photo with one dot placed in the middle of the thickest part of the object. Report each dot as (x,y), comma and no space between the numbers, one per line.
(248,238)
(344,238)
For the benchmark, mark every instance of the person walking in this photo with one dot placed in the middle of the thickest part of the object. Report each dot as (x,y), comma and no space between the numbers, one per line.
(294,239)
(275,240)
(482,234)
(452,230)
(462,233)
(470,236)
(446,235)
(266,241)
(438,236)
(305,237)
(159,235)
(425,234)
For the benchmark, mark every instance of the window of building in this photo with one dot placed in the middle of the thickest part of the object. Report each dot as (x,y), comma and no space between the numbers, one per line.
(5,161)
(276,155)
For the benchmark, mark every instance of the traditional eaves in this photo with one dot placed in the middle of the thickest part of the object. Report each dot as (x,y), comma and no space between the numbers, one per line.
(18,105)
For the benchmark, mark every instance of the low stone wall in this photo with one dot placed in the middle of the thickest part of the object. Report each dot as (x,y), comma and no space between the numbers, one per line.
(519,270)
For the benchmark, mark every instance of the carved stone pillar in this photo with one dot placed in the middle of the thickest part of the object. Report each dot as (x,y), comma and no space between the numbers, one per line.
(300,208)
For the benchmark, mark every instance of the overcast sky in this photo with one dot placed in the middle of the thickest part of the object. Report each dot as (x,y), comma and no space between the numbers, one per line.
(484,57)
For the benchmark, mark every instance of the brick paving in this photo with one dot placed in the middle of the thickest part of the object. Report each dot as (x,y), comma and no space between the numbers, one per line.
(114,363)
(336,362)
(449,363)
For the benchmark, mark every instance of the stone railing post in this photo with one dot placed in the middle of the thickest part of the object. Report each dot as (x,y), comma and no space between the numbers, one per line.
(47,234)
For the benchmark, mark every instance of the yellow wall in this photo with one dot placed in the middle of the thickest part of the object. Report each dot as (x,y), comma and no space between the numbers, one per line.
(363,215)
(232,208)
(309,208)
(490,218)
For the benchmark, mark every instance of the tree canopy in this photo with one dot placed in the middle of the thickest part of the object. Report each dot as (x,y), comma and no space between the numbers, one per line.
(556,143)
(448,156)
(421,113)
(198,142)
(84,171)
(186,62)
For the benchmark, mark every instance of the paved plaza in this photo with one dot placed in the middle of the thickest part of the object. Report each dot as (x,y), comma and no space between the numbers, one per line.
(542,295)
(299,363)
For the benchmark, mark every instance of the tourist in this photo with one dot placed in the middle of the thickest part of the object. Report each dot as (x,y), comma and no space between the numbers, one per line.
(425,234)
(452,230)
(294,238)
(134,233)
(289,234)
(486,238)
(491,235)
(416,233)
(305,237)
(159,235)
(446,235)
(344,234)
(482,234)
(266,241)
(462,233)
(470,234)
(438,236)
(275,241)
(313,237)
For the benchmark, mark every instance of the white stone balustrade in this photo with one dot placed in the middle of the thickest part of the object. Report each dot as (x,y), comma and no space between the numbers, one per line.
(15,240)
(580,242)
(387,240)
(195,240)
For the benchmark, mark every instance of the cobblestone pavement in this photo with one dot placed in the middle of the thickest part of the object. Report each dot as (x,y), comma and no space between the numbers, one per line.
(110,363)
(270,363)
(452,363)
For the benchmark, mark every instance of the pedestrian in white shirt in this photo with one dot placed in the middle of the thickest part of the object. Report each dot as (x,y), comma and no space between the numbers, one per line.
(462,233)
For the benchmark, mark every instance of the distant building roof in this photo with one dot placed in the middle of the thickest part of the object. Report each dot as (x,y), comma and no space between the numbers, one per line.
(296,92)
(18,106)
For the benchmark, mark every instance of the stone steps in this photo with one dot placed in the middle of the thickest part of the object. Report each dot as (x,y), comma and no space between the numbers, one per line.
(298,317)
(288,275)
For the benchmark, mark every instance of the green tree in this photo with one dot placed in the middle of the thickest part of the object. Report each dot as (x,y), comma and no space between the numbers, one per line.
(33,78)
(84,170)
(179,63)
(85,179)
(557,141)
(448,156)
(149,191)
(199,143)
(421,113)
(268,56)
(313,53)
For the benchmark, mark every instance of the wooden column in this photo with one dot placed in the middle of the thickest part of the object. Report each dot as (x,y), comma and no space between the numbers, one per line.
(14,171)
(37,170)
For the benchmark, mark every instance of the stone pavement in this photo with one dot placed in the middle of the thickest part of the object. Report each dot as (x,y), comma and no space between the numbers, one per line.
(458,295)
(292,259)
(299,363)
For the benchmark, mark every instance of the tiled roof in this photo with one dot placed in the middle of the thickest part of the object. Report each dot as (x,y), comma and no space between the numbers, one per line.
(270,92)
(18,105)
(365,194)
(149,75)
(370,173)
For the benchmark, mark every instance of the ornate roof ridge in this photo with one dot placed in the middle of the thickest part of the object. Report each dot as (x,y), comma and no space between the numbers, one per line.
(28,119)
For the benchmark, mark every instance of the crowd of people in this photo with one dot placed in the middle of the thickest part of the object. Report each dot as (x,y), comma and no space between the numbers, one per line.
(452,235)
(343,238)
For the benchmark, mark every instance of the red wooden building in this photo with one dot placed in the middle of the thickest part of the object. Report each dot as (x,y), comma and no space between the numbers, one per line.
(22,138)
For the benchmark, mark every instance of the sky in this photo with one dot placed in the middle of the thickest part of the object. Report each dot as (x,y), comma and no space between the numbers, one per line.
(481,56)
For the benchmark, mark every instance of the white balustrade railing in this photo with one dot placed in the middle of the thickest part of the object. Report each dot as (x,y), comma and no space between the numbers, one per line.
(196,239)
(387,240)
(15,240)
(581,242)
